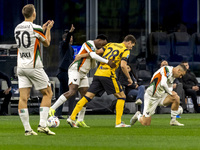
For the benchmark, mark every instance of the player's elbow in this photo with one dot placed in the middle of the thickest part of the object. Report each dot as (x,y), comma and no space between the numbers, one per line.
(46,43)
(92,55)
(123,66)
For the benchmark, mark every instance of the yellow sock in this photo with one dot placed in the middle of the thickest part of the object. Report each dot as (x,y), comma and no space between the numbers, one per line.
(119,110)
(78,107)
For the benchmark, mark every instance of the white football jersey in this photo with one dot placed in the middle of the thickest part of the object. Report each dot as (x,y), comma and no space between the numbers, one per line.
(28,36)
(161,82)
(85,64)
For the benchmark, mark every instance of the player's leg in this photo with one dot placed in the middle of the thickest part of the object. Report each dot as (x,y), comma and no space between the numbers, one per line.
(73,88)
(174,101)
(24,92)
(23,110)
(41,82)
(80,118)
(150,104)
(44,109)
(121,97)
(73,82)
(84,100)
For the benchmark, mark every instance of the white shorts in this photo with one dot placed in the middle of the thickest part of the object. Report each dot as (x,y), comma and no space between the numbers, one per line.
(151,103)
(77,77)
(36,77)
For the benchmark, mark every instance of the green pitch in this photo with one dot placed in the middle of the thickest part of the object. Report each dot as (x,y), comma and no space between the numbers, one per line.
(102,134)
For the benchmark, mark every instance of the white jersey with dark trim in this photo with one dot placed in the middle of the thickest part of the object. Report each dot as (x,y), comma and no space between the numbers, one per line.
(28,36)
(161,82)
(85,64)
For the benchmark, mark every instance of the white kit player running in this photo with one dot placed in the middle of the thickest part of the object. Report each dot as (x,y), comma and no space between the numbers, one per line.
(78,80)
(159,93)
(30,68)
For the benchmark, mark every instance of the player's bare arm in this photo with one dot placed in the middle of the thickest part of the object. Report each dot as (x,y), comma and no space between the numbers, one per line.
(125,71)
(44,27)
(79,56)
(46,43)
(72,28)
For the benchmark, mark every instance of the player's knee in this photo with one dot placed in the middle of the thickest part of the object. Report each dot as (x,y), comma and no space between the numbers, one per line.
(72,93)
(48,93)
(177,99)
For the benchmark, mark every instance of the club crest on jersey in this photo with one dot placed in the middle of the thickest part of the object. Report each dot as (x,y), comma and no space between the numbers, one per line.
(25,55)
(167,74)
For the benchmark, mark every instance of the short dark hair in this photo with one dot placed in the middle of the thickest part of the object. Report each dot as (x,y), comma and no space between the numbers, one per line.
(28,10)
(183,66)
(130,38)
(102,37)
(184,62)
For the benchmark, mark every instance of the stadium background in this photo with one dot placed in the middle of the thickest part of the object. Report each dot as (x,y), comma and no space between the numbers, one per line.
(115,18)
(164,29)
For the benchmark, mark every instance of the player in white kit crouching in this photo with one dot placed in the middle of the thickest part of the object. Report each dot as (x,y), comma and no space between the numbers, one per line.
(159,93)
(30,70)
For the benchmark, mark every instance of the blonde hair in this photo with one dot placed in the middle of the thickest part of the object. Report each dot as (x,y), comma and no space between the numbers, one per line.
(28,10)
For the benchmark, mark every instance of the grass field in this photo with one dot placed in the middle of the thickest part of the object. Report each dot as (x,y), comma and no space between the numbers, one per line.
(103,135)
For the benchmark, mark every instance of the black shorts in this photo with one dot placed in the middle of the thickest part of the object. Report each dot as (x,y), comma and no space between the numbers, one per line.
(101,84)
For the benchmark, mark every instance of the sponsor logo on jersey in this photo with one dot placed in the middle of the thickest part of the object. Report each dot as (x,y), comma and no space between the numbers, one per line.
(25,55)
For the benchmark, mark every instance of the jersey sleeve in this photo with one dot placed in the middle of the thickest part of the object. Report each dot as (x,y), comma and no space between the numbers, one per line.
(39,32)
(164,75)
(89,47)
(125,54)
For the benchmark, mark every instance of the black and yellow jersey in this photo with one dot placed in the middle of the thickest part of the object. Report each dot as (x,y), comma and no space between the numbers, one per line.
(116,51)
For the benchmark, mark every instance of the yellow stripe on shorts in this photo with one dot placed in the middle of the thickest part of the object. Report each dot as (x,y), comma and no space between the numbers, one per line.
(115,85)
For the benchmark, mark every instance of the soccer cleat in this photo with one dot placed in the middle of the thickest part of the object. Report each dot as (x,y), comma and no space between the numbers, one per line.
(72,123)
(45,130)
(122,125)
(82,124)
(175,123)
(134,118)
(51,111)
(27,133)
(138,102)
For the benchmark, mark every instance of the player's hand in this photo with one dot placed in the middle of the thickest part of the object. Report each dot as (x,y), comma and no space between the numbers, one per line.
(44,27)
(130,81)
(6,92)
(78,57)
(50,24)
(72,28)
(111,63)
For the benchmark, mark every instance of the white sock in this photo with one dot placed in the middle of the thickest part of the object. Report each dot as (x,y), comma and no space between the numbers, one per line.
(174,113)
(81,114)
(139,116)
(24,116)
(59,102)
(43,116)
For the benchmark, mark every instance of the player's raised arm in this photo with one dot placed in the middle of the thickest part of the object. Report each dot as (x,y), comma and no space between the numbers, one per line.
(46,43)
